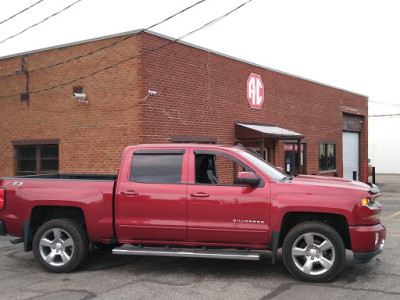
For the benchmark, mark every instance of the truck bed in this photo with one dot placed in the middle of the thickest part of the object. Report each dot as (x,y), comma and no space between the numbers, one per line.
(91,195)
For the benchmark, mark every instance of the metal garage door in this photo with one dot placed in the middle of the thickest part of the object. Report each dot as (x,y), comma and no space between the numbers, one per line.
(351,152)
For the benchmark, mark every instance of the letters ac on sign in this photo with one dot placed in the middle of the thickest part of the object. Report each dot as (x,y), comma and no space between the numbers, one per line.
(255,91)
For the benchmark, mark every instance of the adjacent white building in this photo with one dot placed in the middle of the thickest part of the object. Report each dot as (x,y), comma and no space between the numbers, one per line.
(384,144)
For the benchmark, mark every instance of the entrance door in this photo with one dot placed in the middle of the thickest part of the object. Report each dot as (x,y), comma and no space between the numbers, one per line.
(292,159)
(351,154)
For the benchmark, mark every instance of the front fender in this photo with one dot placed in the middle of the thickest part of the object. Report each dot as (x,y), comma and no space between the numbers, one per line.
(287,202)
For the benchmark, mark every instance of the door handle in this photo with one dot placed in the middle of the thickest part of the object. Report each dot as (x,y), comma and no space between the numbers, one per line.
(200,194)
(129,193)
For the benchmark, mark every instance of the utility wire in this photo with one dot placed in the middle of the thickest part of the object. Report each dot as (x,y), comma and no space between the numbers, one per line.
(136,56)
(388,115)
(45,19)
(25,9)
(384,103)
(111,44)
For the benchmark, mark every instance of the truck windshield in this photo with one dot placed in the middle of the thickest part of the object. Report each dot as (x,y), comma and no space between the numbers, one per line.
(267,168)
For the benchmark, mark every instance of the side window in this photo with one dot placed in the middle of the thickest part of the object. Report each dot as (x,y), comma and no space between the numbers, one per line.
(218,169)
(156,168)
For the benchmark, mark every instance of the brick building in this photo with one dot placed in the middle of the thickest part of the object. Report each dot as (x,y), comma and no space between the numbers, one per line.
(201,96)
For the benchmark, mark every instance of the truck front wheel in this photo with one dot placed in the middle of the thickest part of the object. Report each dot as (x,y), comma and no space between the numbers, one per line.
(60,245)
(313,251)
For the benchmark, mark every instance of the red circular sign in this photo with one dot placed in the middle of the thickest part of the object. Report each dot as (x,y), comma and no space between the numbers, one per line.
(255,91)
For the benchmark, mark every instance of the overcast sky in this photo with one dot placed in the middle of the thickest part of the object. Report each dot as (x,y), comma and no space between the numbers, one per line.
(350,44)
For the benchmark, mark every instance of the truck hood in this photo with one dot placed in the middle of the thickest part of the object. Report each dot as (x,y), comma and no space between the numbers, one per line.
(335,182)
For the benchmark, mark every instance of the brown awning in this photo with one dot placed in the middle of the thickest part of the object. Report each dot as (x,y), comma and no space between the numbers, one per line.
(245,131)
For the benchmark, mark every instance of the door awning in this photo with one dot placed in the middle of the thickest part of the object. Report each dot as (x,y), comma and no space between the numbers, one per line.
(245,131)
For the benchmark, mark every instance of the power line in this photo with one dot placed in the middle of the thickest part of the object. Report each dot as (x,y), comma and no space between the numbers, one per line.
(44,20)
(136,56)
(109,45)
(384,103)
(388,115)
(25,9)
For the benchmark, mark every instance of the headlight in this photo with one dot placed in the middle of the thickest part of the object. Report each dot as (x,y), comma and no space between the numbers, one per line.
(370,209)
(370,202)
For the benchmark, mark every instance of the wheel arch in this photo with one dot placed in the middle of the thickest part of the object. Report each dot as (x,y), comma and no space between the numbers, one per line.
(337,222)
(42,214)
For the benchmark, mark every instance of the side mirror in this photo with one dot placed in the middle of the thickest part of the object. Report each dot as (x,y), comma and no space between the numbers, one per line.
(248,178)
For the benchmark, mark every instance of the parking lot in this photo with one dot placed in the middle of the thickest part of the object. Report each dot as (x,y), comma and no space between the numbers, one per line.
(105,276)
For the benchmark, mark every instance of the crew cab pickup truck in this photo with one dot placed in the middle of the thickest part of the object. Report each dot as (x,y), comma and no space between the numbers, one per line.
(194,200)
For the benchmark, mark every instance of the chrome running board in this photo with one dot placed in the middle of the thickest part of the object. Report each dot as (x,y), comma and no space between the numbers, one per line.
(200,253)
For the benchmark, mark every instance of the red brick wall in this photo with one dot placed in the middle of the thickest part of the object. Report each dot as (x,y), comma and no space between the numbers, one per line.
(198,94)
(203,94)
(92,136)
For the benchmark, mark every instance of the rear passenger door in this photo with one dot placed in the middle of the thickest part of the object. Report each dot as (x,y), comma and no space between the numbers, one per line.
(152,199)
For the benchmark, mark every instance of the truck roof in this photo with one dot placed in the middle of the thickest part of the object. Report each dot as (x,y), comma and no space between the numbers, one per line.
(180,146)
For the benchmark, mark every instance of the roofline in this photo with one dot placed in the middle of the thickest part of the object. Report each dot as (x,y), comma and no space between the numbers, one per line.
(252,63)
(181,42)
(96,39)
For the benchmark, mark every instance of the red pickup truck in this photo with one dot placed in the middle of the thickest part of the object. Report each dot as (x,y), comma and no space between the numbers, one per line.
(194,200)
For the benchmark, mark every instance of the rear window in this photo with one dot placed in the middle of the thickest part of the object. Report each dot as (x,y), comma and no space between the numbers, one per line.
(156,167)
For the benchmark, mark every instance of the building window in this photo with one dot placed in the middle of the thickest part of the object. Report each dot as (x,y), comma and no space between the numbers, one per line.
(327,157)
(36,159)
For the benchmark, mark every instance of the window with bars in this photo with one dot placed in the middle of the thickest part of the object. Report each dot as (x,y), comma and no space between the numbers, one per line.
(36,159)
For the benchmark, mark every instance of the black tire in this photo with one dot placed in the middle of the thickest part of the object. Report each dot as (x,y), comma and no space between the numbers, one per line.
(314,251)
(60,245)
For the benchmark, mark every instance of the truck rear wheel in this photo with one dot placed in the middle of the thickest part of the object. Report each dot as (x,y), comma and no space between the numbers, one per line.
(314,251)
(60,245)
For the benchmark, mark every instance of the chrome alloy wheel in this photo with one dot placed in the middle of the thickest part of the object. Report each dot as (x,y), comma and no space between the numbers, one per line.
(56,247)
(313,253)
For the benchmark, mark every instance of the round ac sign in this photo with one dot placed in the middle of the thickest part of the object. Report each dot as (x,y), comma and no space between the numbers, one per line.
(255,91)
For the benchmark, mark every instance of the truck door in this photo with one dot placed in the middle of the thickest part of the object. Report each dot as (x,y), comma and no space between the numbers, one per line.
(152,197)
(219,209)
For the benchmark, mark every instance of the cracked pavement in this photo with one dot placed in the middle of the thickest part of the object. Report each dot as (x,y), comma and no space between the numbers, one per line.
(105,276)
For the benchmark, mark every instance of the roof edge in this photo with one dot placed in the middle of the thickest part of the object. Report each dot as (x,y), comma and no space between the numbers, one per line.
(251,63)
(96,39)
(181,42)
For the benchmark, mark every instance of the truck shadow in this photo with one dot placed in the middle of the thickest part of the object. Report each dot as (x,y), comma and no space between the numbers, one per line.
(152,267)
(104,259)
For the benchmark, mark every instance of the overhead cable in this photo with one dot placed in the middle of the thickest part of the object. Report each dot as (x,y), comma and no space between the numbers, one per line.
(385,103)
(388,115)
(136,56)
(18,13)
(111,44)
(44,20)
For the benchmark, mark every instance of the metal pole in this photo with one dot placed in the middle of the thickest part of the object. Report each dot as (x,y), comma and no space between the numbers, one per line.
(262,146)
(299,156)
(354,175)
(373,175)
